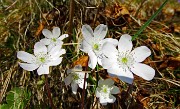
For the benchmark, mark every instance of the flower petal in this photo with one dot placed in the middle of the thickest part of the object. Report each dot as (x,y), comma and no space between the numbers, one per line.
(56,32)
(50,46)
(45,41)
(40,48)
(28,67)
(124,75)
(47,33)
(92,59)
(43,69)
(111,99)
(74,87)
(109,62)
(99,61)
(87,33)
(85,46)
(109,50)
(100,31)
(115,90)
(143,70)
(63,36)
(26,57)
(68,79)
(125,43)
(55,62)
(110,40)
(141,53)
(108,82)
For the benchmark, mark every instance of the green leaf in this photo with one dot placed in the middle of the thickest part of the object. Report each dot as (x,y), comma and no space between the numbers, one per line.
(17,98)
(150,20)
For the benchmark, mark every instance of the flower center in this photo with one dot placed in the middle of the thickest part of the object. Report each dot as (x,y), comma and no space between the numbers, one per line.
(105,91)
(125,60)
(75,77)
(96,47)
(41,58)
(54,39)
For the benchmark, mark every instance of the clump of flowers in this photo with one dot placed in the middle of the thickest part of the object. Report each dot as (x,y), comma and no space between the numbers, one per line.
(53,38)
(93,42)
(123,62)
(76,78)
(105,90)
(42,58)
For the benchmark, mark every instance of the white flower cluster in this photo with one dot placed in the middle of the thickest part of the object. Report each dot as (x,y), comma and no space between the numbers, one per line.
(121,62)
(47,52)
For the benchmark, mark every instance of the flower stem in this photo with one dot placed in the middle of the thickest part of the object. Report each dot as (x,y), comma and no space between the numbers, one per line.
(49,92)
(83,93)
(97,77)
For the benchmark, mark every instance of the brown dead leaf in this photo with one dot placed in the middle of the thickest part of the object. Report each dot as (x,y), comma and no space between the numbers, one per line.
(40,28)
(116,11)
(83,61)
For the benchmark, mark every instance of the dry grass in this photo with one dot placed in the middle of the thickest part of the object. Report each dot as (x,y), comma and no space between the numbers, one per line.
(21,22)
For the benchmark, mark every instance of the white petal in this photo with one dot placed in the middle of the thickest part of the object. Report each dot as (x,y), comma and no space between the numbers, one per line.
(43,69)
(87,33)
(143,70)
(124,75)
(50,46)
(102,100)
(110,40)
(74,87)
(100,31)
(59,43)
(69,71)
(108,82)
(26,57)
(47,33)
(99,61)
(85,46)
(63,36)
(55,62)
(40,48)
(28,67)
(57,54)
(92,59)
(109,62)
(111,99)
(56,32)
(81,80)
(125,43)
(68,80)
(115,90)
(97,92)
(45,41)
(109,50)
(78,68)
(141,53)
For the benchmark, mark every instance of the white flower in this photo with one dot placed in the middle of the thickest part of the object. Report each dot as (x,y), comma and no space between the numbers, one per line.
(53,38)
(105,90)
(76,78)
(93,42)
(41,59)
(123,62)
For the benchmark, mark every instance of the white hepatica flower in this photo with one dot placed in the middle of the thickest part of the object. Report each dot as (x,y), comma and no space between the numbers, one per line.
(123,62)
(41,59)
(75,78)
(105,90)
(93,42)
(53,38)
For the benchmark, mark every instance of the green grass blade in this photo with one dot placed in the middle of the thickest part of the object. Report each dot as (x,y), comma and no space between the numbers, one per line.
(149,21)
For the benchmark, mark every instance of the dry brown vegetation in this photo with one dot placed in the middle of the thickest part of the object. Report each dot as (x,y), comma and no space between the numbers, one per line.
(21,23)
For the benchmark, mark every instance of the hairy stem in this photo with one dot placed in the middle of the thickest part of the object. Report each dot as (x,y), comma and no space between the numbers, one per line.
(49,92)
